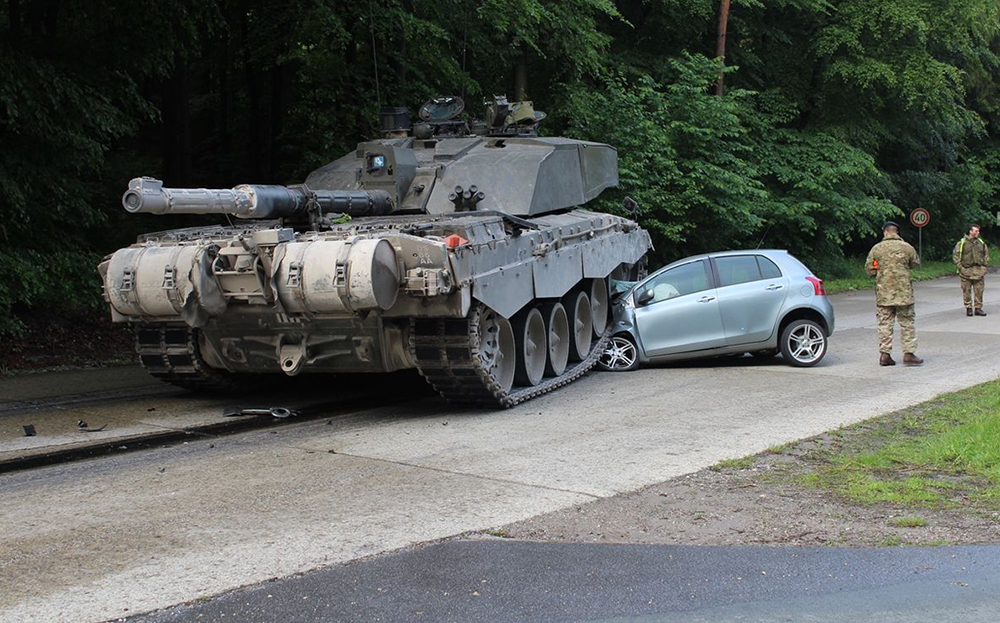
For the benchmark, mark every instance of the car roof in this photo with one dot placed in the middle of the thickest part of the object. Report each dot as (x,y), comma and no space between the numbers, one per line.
(772,253)
(768,252)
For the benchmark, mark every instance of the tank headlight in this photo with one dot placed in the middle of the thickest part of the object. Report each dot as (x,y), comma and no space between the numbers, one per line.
(376,162)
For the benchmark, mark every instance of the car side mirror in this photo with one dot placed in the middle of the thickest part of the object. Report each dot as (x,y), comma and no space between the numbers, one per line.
(644,297)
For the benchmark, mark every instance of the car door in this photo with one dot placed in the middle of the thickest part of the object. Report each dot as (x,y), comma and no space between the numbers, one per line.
(677,311)
(751,291)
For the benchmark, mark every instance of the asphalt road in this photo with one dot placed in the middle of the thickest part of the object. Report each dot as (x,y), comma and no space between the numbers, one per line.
(495,580)
(110,537)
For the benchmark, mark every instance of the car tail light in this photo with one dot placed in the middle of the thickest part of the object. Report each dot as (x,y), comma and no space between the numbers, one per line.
(817,285)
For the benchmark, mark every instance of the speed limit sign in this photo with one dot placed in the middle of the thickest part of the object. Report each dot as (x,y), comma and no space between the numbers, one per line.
(920,217)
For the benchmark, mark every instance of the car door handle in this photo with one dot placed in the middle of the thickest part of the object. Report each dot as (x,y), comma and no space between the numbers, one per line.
(774,286)
(706,299)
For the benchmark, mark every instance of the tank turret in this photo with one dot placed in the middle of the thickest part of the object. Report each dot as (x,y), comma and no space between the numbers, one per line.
(512,170)
(458,248)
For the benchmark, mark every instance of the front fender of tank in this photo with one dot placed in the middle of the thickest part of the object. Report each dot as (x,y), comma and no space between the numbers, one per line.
(547,262)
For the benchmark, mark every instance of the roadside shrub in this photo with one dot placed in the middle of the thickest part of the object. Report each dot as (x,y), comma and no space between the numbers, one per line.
(30,279)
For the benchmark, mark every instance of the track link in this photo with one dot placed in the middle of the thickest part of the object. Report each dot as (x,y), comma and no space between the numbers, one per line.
(171,353)
(447,353)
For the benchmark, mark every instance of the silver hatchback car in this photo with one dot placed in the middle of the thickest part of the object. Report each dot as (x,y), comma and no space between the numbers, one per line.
(758,302)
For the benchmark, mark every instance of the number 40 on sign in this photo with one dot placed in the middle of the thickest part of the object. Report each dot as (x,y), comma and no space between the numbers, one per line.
(920,217)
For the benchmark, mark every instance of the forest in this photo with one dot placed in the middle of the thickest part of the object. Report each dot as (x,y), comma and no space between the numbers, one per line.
(820,119)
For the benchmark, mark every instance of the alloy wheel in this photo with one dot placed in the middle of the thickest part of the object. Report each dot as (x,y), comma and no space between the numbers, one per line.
(806,343)
(619,355)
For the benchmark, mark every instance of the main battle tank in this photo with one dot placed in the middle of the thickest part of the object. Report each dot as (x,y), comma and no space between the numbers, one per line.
(464,254)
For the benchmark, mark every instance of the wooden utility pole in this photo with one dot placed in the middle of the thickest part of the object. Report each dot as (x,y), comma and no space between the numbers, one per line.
(720,43)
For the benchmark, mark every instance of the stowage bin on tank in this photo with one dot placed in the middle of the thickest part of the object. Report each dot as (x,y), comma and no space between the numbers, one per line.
(464,255)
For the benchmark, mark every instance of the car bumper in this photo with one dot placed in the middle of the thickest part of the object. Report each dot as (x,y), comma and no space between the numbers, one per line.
(624,322)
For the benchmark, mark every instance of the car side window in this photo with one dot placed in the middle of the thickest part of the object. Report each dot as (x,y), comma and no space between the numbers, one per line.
(734,269)
(679,281)
(768,269)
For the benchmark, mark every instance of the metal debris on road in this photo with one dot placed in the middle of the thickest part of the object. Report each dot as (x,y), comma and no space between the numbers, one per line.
(83,428)
(277,412)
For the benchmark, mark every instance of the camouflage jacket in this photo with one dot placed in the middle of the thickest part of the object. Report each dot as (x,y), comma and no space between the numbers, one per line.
(890,262)
(971,256)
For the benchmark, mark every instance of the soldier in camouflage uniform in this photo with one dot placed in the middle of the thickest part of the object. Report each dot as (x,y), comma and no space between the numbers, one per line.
(890,262)
(971,256)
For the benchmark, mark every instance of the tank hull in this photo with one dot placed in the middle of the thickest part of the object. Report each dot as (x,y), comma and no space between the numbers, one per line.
(370,295)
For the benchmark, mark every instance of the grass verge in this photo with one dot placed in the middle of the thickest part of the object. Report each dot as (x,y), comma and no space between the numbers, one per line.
(858,279)
(942,455)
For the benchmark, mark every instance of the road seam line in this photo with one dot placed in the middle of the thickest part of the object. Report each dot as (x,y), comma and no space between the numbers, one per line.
(445,471)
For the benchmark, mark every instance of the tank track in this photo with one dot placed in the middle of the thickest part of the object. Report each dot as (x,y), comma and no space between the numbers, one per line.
(447,354)
(172,354)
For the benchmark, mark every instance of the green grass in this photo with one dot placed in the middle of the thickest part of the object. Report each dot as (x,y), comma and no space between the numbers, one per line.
(858,279)
(891,541)
(909,522)
(497,532)
(732,464)
(941,455)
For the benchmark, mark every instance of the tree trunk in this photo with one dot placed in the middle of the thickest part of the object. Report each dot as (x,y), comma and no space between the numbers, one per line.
(720,43)
(51,20)
(177,167)
(521,77)
(277,121)
(14,18)
(254,121)
(224,146)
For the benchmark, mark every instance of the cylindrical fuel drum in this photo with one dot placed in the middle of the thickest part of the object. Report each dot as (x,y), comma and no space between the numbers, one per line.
(331,276)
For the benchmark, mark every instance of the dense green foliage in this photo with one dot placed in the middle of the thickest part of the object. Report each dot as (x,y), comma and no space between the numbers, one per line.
(836,113)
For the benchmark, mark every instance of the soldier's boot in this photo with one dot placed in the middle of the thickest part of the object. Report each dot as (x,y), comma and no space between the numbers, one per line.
(968,311)
(980,312)
(885,359)
(910,359)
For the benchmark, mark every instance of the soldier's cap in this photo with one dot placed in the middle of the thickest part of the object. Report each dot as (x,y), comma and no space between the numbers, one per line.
(886,225)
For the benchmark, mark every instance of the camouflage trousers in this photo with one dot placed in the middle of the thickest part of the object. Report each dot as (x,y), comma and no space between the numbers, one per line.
(970,287)
(887,316)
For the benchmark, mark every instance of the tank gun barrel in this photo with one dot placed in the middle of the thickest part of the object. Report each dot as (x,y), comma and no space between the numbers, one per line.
(148,195)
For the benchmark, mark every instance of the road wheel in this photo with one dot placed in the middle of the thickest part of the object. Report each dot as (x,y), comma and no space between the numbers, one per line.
(557,329)
(581,324)
(620,355)
(531,347)
(803,343)
(497,348)
(599,305)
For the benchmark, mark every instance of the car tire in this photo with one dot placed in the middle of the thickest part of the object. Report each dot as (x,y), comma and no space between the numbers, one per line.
(803,343)
(620,355)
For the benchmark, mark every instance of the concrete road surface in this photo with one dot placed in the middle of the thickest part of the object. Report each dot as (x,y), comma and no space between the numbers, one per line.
(116,536)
